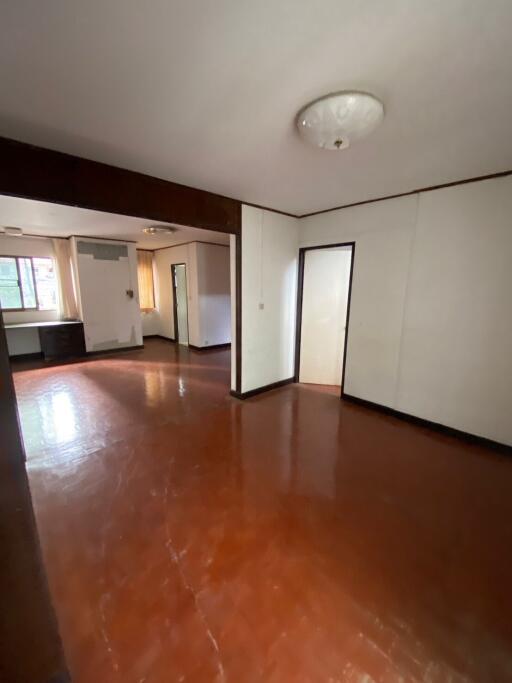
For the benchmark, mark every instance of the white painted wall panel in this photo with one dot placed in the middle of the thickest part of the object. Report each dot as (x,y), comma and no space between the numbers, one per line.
(21,341)
(269,279)
(111,319)
(431,323)
(194,326)
(208,289)
(383,233)
(214,296)
(232,277)
(456,360)
(150,323)
(164,258)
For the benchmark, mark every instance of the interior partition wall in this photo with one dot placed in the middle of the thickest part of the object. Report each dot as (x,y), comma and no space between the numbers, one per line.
(430,333)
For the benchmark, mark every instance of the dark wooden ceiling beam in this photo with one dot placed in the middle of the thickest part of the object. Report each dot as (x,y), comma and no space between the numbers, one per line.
(36,173)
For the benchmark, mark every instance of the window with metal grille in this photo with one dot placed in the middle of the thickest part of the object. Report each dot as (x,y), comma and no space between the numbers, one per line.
(27,283)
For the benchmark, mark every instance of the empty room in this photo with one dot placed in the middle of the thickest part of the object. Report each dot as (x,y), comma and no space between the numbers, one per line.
(256,341)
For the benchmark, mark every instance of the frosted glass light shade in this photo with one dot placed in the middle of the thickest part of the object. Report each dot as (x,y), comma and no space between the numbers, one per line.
(156,229)
(336,121)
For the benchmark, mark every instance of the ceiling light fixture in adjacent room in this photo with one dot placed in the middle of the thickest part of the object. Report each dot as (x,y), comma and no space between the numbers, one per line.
(158,229)
(12,232)
(337,120)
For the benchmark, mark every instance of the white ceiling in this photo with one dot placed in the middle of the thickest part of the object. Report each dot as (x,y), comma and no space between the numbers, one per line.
(55,220)
(205,92)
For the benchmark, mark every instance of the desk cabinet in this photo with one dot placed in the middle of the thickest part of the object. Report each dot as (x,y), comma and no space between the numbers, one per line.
(61,341)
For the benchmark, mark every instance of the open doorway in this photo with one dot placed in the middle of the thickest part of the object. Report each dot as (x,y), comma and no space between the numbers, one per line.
(180,301)
(325,281)
(86,343)
(88,362)
(78,285)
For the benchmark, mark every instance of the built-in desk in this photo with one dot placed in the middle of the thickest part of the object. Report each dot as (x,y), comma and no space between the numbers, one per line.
(48,323)
(58,338)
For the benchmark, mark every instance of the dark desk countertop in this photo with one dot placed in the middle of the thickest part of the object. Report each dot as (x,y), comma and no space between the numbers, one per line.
(48,323)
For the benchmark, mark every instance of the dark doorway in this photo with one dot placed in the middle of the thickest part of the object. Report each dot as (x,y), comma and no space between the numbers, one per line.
(180,302)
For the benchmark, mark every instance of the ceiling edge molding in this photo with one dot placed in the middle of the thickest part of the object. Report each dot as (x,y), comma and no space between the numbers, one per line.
(183,244)
(476,179)
(266,208)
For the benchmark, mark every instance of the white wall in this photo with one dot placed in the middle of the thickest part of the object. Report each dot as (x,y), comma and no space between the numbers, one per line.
(269,287)
(232,278)
(208,289)
(213,291)
(164,258)
(21,341)
(150,323)
(111,319)
(26,341)
(431,323)
(383,233)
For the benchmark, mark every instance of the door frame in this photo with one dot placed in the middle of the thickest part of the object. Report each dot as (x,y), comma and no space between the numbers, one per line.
(300,295)
(175,300)
(41,174)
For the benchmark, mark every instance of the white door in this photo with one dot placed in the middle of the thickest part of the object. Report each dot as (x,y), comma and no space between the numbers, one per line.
(324,313)
(180,283)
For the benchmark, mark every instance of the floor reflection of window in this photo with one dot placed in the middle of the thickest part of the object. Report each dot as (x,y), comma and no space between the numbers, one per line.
(154,382)
(63,417)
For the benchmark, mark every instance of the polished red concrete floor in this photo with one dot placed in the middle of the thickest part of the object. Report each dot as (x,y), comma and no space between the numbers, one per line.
(291,538)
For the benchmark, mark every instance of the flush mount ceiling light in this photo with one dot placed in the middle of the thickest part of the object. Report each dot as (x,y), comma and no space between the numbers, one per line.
(12,232)
(158,229)
(336,121)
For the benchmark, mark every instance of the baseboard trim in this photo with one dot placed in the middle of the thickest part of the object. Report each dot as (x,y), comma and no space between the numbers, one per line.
(260,390)
(213,347)
(434,426)
(122,349)
(160,336)
(37,355)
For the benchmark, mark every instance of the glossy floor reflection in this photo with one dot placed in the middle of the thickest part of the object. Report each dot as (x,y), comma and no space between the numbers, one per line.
(291,538)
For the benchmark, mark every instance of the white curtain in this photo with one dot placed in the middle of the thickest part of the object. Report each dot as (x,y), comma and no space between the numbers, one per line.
(67,297)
